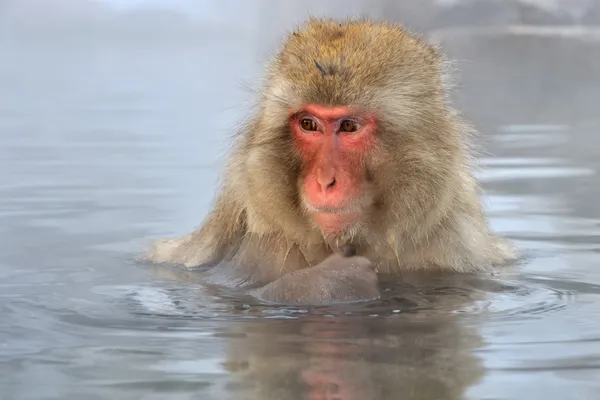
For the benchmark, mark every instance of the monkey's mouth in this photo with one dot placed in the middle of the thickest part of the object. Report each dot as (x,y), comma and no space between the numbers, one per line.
(334,224)
(357,205)
(336,219)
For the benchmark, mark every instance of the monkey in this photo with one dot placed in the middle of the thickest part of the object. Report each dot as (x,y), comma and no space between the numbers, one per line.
(353,142)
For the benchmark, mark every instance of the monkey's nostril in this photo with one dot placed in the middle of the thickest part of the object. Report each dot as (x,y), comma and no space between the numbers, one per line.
(326,182)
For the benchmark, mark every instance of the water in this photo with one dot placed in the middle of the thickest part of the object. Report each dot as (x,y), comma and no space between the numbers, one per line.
(107,144)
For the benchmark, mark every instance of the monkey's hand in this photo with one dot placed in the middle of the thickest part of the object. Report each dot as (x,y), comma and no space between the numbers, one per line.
(341,278)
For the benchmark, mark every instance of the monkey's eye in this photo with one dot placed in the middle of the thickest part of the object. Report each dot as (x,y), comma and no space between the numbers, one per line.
(308,124)
(349,126)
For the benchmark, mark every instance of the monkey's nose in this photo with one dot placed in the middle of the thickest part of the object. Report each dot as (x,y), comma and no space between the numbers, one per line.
(326,182)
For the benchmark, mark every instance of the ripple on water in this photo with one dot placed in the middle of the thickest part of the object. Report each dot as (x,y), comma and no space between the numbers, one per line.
(517,300)
(511,169)
(493,297)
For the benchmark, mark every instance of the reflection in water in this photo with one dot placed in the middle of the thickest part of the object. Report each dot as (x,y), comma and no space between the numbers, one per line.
(353,358)
(108,143)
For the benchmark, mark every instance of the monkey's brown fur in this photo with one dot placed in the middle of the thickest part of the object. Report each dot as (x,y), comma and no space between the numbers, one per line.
(427,214)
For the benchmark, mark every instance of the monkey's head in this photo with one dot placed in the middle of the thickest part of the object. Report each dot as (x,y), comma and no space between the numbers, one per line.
(354,129)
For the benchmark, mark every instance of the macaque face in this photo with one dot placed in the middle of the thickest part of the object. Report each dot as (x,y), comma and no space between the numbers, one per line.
(333,143)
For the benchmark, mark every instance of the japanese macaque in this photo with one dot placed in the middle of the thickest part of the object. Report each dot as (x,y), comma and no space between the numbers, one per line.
(354,144)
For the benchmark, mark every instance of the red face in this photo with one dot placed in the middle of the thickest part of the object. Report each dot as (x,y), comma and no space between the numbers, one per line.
(333,142)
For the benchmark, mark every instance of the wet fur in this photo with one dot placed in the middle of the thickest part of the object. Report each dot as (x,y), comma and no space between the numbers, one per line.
(427,213)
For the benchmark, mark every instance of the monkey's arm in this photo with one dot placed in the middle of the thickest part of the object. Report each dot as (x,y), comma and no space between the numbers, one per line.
(341,278)
(220,231)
